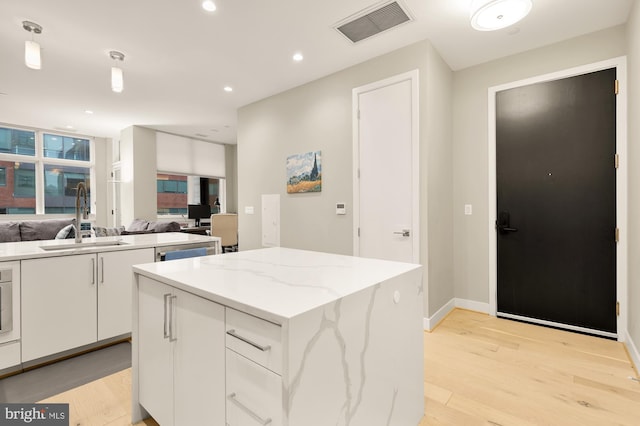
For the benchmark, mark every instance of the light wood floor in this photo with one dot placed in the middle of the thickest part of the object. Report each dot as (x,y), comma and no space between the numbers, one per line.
(479,370)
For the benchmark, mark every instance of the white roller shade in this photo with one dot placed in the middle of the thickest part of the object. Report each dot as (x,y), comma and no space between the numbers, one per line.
(185,156)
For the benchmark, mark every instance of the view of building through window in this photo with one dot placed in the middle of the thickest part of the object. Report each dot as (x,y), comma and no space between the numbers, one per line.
(175,192)
(61,161)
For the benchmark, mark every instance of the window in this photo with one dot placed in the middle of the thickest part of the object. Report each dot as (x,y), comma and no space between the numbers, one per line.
(14,141)
(172,194)
(175,192)
(40,171)
(60,187)
(66,147)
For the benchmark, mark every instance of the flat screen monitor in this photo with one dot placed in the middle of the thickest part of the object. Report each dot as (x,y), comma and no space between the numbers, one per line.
(199,211)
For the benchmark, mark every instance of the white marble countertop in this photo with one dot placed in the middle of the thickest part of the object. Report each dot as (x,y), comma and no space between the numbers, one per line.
(34,249)
(275,283)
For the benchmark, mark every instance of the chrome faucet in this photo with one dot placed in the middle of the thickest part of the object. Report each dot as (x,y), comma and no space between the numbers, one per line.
(81,188)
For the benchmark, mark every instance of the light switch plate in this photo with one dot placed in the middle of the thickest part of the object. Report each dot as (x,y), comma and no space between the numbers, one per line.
(248,209)
(468,209)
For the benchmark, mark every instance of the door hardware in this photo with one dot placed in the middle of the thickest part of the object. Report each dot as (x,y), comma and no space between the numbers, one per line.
(404,233)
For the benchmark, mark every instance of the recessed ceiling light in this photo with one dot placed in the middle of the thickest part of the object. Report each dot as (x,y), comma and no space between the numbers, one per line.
(208,5)
(88,111)
(298,57)
(228,89)
(69,126)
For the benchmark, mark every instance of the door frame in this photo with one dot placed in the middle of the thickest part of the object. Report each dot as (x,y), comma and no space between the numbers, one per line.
(412,76)
(620,63)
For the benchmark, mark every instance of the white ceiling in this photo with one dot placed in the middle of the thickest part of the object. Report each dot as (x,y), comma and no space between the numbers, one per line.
(178,57)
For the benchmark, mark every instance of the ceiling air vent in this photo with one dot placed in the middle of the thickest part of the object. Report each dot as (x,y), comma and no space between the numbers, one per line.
(371,22)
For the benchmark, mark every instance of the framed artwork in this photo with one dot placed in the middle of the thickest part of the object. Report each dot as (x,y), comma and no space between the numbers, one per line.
(304,172)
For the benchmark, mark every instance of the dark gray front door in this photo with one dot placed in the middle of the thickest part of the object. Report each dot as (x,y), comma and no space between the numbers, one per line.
(556,201)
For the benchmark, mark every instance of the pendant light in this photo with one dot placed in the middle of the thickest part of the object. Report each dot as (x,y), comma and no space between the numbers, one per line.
(31,48)
(117,76)
(491,15)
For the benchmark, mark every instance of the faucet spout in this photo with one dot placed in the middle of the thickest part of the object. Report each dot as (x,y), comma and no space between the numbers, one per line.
(81,190)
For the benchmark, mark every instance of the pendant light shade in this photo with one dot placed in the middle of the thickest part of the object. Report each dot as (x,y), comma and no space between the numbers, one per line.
(117,79)
(117,76)
(31,48)
(32,55)
(491,15)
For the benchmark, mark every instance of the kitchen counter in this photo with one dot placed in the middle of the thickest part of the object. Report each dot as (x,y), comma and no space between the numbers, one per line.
(34,249)
(278,336)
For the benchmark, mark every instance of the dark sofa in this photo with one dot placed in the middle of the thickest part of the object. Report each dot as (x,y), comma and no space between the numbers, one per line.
(50,229)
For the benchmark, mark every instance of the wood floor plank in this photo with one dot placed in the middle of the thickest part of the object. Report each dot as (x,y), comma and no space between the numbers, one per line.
(478,370)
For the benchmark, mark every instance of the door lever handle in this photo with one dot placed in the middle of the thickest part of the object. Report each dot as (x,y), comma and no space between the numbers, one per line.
(505,229)
(404,233)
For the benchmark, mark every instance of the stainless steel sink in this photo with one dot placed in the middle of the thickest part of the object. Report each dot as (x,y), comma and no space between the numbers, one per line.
(75,246)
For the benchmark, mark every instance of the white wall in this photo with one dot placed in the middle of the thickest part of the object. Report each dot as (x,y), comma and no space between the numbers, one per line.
(633,64)
(317,116)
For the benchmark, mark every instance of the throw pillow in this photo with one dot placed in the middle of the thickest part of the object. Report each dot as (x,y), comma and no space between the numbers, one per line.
(9,232)
(68,231)
(138,225)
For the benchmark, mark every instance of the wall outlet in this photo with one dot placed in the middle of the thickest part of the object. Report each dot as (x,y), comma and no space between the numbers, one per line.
(468,209)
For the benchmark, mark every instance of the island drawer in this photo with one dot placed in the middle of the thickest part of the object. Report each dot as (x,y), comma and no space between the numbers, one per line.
(254,394)
(255,338)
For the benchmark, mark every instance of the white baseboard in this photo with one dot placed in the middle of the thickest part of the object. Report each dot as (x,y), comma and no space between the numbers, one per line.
(633,352)
(430,323)
(433,320)
(472,305)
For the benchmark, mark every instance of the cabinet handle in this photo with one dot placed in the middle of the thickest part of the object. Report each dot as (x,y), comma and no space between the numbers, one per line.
(172,306)
(102,270)
(166,297)
(264,348)
(93,271)
(232,398)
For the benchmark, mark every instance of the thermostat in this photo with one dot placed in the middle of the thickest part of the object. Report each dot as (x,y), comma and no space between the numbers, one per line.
(341,208)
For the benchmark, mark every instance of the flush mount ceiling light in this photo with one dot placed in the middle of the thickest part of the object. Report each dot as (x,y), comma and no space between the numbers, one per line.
(209,5)
(31,48)
(117,76)
(490,15)
(298,57)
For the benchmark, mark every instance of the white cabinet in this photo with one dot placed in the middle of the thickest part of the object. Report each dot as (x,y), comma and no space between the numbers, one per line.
(72,301)
(59,310)
(115,289)
(181,356)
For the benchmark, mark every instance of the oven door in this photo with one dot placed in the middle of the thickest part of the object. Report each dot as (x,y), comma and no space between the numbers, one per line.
(6,307)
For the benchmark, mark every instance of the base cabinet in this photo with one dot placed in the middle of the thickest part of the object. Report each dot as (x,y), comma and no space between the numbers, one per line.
(72,301)
(59,310)
(179,333)
(115,290)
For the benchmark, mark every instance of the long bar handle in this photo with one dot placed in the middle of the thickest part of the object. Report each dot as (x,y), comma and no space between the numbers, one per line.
(101,269)
(166,327)
(249,411)
(93,270)
(172,306)
(264,348)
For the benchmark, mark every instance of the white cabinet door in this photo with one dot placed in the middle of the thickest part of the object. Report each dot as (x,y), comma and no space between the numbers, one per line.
(59,309)
(115,279)
(199,365)
(155,351)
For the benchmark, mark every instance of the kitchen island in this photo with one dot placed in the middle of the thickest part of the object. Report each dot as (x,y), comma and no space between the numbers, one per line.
(278,337)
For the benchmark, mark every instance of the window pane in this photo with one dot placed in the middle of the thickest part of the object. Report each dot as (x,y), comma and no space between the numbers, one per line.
(60,187)
(17,195)
(13,141)
(3,176)
(56,146)
(172,194)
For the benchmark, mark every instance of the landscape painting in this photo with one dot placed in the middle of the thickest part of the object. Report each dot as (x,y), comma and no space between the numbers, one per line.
(304,172)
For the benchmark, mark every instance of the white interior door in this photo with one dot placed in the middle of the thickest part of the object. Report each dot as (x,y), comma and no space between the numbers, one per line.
(386,172)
